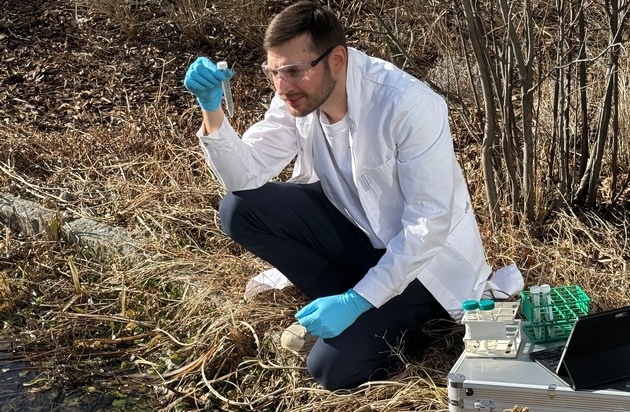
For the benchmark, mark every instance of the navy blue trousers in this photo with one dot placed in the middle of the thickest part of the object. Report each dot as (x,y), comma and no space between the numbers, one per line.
(295,228)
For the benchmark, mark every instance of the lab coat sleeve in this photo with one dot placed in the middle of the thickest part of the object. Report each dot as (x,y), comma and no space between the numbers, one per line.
(425,165)
(265,150)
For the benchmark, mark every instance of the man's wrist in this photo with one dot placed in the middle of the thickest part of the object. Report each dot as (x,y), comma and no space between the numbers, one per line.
(362,304)
(212,120)
(209,106)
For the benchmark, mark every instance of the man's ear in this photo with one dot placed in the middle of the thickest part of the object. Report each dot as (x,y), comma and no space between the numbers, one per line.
(338,59)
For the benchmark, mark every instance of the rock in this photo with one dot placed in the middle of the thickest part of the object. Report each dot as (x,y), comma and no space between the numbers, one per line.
(33,220)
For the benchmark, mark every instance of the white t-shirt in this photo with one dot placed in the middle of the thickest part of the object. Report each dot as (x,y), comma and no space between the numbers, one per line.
(333,165)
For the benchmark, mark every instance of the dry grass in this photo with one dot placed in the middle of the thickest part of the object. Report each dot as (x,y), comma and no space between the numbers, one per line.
(95,122)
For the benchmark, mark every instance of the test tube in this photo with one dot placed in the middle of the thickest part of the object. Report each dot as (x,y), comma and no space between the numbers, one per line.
(471,313)
(545,292)
(227,90)
(534,292)
(486,311)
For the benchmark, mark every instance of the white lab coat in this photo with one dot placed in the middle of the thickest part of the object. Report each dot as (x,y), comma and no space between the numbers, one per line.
(409,182)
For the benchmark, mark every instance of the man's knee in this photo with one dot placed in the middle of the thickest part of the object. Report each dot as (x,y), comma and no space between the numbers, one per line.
(331,376)
(236,213)
(342,370)
(228,212)
(241,211)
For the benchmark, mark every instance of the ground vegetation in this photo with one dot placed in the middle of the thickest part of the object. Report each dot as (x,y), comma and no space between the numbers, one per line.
(95,122)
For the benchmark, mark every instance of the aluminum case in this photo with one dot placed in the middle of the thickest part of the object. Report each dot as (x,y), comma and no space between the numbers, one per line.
(499,384)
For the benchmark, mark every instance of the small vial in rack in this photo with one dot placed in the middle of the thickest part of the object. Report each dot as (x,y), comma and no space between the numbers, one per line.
(534,293)
(545,294)
(471,313)
(486,311)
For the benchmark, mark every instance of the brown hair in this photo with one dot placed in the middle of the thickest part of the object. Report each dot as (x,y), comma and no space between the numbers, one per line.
(306,17)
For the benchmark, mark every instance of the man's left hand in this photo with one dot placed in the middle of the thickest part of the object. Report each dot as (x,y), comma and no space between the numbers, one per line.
(327,317)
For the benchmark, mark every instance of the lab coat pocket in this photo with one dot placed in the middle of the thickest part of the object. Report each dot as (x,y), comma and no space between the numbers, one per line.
(381,199)
(381,183)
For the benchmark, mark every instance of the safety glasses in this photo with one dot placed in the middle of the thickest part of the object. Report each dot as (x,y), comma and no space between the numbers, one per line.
(293,73)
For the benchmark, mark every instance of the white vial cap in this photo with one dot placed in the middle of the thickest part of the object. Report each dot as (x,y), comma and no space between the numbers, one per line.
(545,288)
(534,289)
(222,65)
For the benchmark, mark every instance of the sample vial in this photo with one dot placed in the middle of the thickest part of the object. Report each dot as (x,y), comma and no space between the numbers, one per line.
(471,313)
(534,293)
(545,295)
(227,90)
(486,312)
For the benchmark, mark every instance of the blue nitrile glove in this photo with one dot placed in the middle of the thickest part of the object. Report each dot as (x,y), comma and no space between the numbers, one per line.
(327,317)
(203,79)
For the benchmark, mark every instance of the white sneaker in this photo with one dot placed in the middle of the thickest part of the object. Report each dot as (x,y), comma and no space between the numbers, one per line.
(296,339)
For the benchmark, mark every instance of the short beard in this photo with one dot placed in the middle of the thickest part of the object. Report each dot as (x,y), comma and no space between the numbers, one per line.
(314,101)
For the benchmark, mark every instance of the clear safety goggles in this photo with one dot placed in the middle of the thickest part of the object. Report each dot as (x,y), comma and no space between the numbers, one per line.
(293,73)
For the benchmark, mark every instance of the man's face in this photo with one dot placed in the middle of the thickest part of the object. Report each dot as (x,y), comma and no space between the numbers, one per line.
(316,83)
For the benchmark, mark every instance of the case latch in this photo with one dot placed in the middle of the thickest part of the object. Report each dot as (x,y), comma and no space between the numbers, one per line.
(551,390)
(484,404)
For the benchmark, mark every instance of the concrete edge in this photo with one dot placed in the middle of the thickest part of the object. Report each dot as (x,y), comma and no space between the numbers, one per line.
(33,220)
